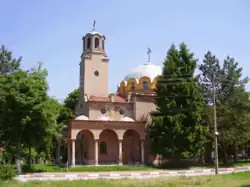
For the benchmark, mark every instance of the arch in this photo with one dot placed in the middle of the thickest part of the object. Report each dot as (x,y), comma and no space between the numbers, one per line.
(154,82)
(88,43)
(122,87)
(144,82)
(97,43)
(110,139)
(84,147)
(131,147)
(131,84)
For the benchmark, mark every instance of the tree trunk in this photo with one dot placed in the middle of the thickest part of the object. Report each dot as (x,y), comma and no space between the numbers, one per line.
(235,151)
(208,153)
(224,153)
(29,156)
(18,160)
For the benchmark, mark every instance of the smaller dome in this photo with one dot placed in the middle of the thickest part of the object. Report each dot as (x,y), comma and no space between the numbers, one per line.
(104,118)
(94,33)
(148,70)
(81,117)
(124,118)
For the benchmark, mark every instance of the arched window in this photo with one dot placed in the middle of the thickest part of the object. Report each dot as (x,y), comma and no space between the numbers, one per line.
(133,86)
(88,43)
(96,42)
(103,148)
(145,84)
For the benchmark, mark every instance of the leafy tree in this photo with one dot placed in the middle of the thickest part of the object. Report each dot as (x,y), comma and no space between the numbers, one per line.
(49,129)
(8,64)
(68,110)
(23,98)
(176,129)
(72,99)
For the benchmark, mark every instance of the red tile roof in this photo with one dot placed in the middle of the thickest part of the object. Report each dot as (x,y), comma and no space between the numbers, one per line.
(118,99)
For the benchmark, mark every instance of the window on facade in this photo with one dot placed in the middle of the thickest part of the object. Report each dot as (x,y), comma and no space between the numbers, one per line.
(103,111)
(121,112)
(88,43)
(96,42)
(133,86)
(145,84)
(103,148)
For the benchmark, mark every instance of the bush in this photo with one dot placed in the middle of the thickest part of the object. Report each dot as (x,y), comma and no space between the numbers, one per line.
(7,172)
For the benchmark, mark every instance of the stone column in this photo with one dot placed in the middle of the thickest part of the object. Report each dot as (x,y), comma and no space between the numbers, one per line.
(96,152)
(73,158)
(120,152)
(142,152)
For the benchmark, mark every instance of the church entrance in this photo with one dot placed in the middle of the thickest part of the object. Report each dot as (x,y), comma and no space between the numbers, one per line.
(132,147)
(85,148)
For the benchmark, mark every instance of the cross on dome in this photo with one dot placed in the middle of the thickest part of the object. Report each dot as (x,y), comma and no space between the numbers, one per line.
(149,54)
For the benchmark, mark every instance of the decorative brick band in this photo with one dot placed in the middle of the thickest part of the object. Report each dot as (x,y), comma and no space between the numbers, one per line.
(119,175)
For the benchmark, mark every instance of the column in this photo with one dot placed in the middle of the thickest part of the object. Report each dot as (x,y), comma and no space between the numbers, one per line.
(96,152)
(142,152)
(73,153)
(120,152)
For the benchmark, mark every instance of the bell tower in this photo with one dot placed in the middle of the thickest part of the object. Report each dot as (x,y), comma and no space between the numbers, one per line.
(93,67)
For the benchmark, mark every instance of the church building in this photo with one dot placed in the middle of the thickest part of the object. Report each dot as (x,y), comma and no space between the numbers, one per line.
(111,128)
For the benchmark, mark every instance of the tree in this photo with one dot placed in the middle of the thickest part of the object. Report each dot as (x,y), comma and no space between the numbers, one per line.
(176,129)
(23,99)
(45,126)
(72,99)
(8,64)
(232,102)
(233,107)
(68,110)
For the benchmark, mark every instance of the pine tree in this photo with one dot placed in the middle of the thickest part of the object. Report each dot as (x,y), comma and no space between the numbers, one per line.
(176,129)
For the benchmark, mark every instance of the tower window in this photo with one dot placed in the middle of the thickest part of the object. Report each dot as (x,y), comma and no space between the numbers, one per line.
(103,147)
(88,43)
(145,84)
(96,42)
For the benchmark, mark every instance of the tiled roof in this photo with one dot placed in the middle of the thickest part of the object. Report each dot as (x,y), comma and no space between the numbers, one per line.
(118,99)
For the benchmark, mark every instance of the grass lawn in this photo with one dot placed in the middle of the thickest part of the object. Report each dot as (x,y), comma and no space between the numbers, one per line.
(231,180)
(54,168)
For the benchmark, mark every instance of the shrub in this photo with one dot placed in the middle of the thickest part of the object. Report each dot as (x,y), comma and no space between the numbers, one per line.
(7,172)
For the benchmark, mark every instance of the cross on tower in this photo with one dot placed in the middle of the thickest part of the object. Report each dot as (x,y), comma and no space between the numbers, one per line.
(149,54)
(94,26)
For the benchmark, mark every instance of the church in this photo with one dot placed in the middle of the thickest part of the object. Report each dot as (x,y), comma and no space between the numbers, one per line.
(111,128)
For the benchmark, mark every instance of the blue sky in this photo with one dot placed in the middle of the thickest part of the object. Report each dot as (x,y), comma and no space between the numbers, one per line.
(51,32)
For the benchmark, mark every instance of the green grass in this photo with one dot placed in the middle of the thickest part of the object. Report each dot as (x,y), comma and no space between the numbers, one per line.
(53,168)
(231,180)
